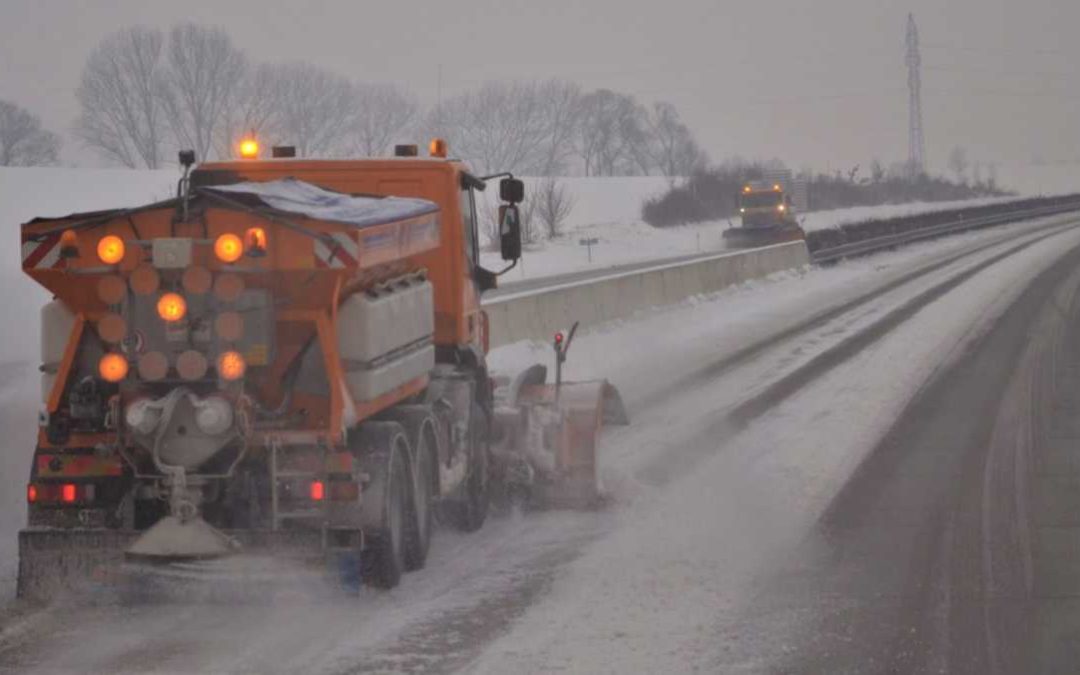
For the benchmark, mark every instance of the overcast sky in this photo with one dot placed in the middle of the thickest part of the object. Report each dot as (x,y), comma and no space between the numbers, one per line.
(813,82)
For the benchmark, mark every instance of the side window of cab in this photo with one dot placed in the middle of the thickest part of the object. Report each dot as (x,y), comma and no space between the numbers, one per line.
(468,217)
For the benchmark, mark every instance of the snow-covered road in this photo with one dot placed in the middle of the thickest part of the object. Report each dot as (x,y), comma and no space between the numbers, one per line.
(731,457)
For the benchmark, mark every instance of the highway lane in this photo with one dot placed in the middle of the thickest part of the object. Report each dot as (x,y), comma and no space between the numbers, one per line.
(955,547)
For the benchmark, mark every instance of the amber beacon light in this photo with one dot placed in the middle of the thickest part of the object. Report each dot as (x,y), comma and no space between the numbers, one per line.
(249,148)
(228,248)
(113,367)
(231,366)
(172,307)
(110,249)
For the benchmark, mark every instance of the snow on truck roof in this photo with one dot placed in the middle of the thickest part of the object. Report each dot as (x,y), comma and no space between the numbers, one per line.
(296,196)
(292,196)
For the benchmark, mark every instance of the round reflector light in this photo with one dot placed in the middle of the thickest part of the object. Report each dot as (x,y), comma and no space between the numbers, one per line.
(228,287)
(113,367)
(111,290)
(112,328)
(192,365)
(144,280)
(197,280)
(153,366)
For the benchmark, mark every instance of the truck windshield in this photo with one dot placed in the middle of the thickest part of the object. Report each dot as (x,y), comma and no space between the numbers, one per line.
(761,199)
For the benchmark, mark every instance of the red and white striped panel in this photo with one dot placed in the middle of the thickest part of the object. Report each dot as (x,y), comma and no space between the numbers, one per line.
(346,253)
(42,254)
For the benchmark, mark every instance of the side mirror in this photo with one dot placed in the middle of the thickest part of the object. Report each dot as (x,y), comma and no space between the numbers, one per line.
(510,231)
(512,190)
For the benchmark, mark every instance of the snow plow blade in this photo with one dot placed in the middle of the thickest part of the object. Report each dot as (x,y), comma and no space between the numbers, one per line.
(549,435)
(755,237)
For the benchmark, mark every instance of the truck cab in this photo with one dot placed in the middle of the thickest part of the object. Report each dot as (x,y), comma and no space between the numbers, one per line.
(765,205)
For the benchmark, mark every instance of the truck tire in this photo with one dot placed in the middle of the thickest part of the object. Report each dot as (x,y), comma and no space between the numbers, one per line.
(421,516)
(468,512)
(383,559)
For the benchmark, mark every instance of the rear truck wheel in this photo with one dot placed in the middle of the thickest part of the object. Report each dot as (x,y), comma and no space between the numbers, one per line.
(420,426)
(469,510)
(387,504)
(418,538)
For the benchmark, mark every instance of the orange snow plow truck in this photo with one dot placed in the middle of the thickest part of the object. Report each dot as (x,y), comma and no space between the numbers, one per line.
(287,359)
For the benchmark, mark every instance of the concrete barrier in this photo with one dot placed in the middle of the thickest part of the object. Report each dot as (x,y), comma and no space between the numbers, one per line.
(538,313)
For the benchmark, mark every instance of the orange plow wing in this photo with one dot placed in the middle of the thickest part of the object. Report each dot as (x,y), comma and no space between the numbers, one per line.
(547,449)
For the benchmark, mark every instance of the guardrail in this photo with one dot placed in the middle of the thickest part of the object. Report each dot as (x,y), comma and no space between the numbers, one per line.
(538,313)
(867,246)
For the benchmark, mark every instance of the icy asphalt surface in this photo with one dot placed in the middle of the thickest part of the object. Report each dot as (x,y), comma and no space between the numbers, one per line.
(865,493)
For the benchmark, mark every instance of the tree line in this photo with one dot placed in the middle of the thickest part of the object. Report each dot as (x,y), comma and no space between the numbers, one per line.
(713,193)
(145,93)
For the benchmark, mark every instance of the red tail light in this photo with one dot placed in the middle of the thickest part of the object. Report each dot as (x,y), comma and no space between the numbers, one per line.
(318,491)
(47,494)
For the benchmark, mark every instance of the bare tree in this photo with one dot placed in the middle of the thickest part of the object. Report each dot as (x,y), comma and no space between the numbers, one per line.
(498,127)
(202,77)
(22,140)
(120,98)
(314,108)
(958,162)
(672,146)
(382,113)
(610,135)
(553,205)
(561,109)
(877,171)
(253,110)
